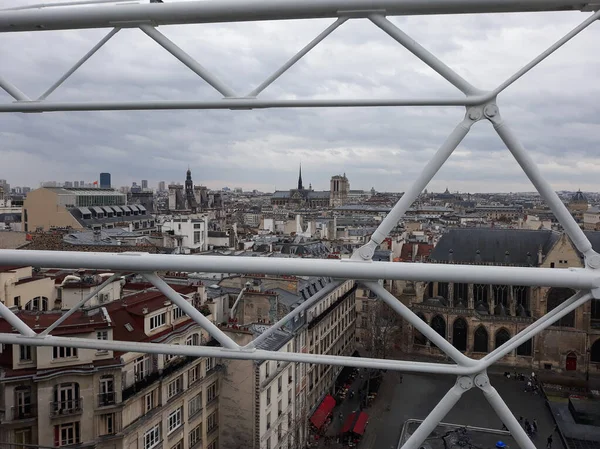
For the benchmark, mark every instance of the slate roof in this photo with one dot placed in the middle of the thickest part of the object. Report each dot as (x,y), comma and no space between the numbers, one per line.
(493,244)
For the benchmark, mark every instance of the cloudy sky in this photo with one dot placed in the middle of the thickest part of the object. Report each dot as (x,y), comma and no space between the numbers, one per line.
(554,108)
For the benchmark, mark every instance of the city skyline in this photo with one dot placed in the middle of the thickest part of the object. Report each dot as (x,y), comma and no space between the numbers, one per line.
(382,147)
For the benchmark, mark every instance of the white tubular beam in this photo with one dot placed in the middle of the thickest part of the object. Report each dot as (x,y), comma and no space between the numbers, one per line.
(236,354)
(312,44)
(560,211)
(544,322)
(305,305)
(73,3)
(578,279)
(71,311)
(413,192)
(13,90)
(433,419)
(424,55)
(421,325)
(578,29)
(175,13)
(79,63)
(503,412)
(15,321)
(187,60)
(228,103)
(191,311)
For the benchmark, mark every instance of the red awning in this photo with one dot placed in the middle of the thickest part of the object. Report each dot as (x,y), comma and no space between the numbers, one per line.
(348,423)
(361,423)
(322,413)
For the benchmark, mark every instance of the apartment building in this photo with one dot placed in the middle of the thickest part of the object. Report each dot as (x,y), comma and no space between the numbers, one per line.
(55,396)
(266,405)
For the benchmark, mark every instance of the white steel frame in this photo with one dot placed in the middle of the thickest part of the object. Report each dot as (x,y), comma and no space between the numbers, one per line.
(479,104)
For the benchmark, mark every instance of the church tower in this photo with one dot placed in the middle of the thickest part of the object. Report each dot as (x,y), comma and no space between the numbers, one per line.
(189,192)
(300,186)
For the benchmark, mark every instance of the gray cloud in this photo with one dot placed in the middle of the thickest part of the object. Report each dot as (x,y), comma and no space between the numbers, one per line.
(553,108)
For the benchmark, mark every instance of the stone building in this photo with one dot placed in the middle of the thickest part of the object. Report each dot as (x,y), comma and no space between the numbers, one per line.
(340,189)
(300,197)
(58,396)
(192,198)
(477,318)
(578,205)
(268,403)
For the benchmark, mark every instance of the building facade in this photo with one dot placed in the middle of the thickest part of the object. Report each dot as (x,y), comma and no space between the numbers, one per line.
(55,396)
(105,182)
(478,318)
(340,189)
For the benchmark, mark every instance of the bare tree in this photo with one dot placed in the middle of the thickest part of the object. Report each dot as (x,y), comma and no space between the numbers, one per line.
(383,329)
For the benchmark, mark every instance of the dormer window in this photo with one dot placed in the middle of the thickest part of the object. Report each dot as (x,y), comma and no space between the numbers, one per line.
(158,321)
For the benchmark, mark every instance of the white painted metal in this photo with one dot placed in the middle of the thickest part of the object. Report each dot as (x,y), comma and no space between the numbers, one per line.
(79,63)
(175,13)
(186,59)
(191,311)
(479,105)
(420,52)
(54,5)
(294,59)
(341,269)
(79,305)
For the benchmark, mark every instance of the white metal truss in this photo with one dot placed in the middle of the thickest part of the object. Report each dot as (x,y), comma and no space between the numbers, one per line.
(479,104)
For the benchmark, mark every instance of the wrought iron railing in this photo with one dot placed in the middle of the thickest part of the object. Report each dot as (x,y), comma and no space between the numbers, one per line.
(480,105)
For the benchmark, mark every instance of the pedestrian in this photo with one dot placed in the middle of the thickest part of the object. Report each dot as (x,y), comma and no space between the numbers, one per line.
(535,425)
(549,443)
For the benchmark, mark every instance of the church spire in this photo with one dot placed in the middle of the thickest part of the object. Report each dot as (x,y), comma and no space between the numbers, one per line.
(300,187)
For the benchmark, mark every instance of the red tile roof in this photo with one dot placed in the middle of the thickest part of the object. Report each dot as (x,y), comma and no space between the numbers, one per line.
(78,323)
(8,268)
(31,279)
(422,253)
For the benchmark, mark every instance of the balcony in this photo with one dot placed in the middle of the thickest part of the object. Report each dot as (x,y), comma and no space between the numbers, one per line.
(24,412)
(64,408)
(107,399)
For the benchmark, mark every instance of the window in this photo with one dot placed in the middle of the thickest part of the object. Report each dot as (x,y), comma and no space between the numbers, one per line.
(212,422)
(107,424)
(65,434)
(269,396)
(214,444)
(25,353)
(38,304)
(150,401)
(279,385)
(152,437)
(197,236)
(289,396)
(102,335)
(267,369)
(279,408)
(177,313)
(17,301)
(107,390)
(158,320)
(60,352)
(196,435)
(195,405)
(268,442)
(22,436)
(178,445)
(174,420)
(175,387)
(290,375)
(211,392)
(141,367)
(23,402)
(193,340)
(66,398)
(268,420)
(210,364)
(193,375)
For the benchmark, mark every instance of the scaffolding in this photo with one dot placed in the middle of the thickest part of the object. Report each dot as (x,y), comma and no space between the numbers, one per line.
(479,104)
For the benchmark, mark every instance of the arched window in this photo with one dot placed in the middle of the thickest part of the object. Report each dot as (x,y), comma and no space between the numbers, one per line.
(595,352)
(526,349)
(66,398)
(461,293)
(459,334)
(500,294)
(193,340)
(502,336)
(418,337)
(481,340)
(556,296)
(37,304)
(428,290)
(480,293)
(571,362)
(438,324)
